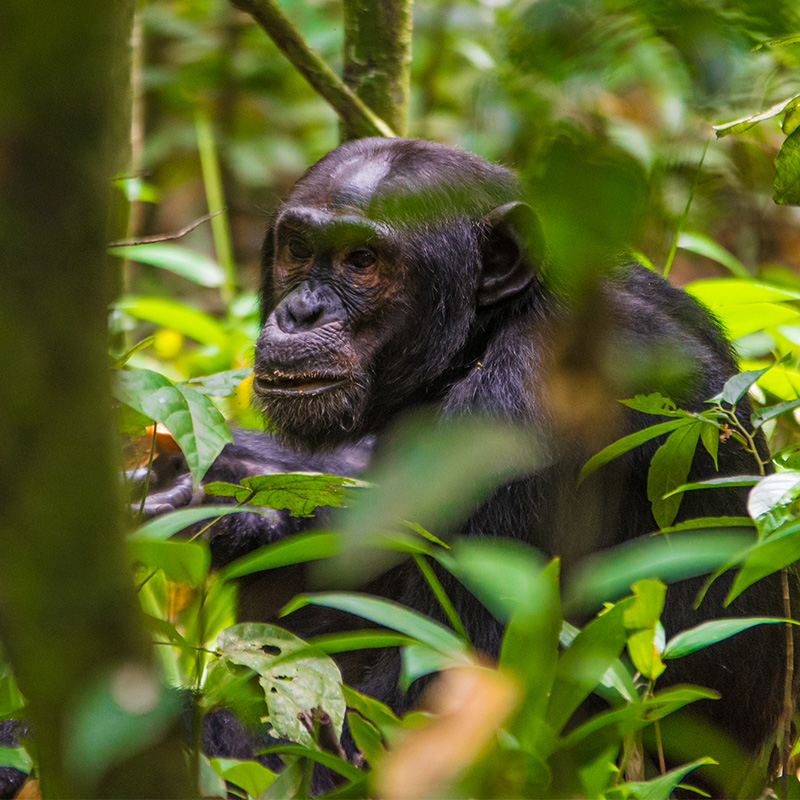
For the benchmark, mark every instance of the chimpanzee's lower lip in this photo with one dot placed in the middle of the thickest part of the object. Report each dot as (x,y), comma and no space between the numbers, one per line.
(271,384)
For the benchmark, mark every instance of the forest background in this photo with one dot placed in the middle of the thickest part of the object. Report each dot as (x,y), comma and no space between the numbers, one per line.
(605,107)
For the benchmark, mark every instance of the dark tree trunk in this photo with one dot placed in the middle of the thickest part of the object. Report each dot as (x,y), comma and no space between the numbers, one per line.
(68,612)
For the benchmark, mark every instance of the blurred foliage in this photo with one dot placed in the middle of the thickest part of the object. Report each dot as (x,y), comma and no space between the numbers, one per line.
(606,108)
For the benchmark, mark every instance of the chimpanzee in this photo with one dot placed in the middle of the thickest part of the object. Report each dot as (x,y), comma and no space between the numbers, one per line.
(401,274)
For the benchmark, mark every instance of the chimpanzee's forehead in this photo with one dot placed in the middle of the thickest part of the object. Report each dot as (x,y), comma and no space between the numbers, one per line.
(349,184)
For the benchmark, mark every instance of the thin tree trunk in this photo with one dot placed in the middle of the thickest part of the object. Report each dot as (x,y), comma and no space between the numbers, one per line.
(68,613)
(377,59)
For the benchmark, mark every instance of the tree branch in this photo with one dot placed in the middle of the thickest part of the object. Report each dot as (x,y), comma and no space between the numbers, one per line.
(355,114)
(165,237)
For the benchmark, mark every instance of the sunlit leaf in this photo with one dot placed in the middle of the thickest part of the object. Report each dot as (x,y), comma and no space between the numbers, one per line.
(706,246)
(182,562)
(193,420)
(180,260)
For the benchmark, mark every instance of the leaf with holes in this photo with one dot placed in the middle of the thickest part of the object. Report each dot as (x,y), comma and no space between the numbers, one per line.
(290,687)
(300,493)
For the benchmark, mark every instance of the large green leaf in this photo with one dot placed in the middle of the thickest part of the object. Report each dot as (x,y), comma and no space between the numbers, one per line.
(290,687)
(177,316)
(300,493)
(669,469)
(193,420)
(297,549)
(659,788)
(182,562)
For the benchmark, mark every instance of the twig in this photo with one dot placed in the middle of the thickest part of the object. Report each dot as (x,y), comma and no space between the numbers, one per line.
(354,112)
(166,237)
(788,685)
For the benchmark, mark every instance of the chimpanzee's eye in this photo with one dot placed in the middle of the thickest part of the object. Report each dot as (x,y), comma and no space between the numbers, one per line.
(361,258)
(298,248)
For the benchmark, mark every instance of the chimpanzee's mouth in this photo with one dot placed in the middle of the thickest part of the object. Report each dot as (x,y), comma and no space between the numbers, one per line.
(274,383)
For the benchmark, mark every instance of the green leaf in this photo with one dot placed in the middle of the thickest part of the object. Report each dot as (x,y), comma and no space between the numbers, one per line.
(290,687)
(738,386)
(656,404)
(376,712)
(176,316)
(301,493)
(296,549)
(705,246)
(417,660)
(220,384)
(177,259)
(15,757)
(250,775)
(193,420)
(720,293)
(160,627)
(634,716)
(366,736)
(386,613)
(787,171)
(669,468)
(715,483)
(585,661)
(709,436)
(745,123)
(168,525)
(622,446)
(765,557)
(770,412)
(710,522)
(504,575)
(708,633)
(182,562)
(669,558)
(121,712)
(326,759)
(11,699)
(771,492)
(530,648)
(660,788)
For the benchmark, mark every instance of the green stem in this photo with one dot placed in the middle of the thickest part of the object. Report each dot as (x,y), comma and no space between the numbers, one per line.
(685,214)
(220,227)
(444,601)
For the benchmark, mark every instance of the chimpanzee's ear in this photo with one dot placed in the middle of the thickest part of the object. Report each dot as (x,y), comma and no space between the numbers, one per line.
(512,250)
